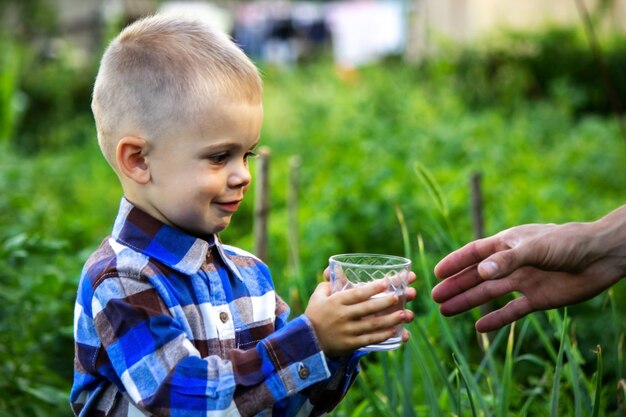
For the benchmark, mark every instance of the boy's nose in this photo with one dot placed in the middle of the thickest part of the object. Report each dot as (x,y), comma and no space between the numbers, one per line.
(240,176)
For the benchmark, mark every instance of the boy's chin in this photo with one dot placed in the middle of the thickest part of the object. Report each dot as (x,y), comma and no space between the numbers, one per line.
(217,228)
(206,231)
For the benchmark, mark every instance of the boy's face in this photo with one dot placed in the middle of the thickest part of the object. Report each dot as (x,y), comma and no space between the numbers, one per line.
(199,177)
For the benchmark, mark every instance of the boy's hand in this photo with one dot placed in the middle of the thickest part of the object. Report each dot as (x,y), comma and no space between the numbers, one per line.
(351,319)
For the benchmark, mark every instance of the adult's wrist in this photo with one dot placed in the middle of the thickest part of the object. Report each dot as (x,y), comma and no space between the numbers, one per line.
(609,238)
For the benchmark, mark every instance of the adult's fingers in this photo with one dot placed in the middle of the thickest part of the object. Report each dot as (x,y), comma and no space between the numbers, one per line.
(526,245)
(512,311)
(468,255)
(456,284)
(506,262)
(475,296)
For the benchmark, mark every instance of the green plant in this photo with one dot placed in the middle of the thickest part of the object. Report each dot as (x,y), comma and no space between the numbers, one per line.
(35,330)
(9,94)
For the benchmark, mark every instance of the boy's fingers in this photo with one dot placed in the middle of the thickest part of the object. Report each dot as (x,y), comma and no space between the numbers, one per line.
(362,293)
(322,290)
(410,293)
(327,274)
(405,335)
(382,305)
(374,324)
(408,316)
(374,338)
(378,329)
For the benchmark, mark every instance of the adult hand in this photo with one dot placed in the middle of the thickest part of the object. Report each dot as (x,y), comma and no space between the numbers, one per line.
(550,265)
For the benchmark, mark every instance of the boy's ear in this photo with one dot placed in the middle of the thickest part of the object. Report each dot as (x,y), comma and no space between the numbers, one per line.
(131,158)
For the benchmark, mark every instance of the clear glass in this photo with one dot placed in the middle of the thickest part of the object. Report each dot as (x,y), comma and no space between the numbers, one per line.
(353,269)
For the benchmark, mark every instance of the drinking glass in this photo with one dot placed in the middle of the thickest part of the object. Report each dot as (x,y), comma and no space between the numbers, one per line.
(354,269)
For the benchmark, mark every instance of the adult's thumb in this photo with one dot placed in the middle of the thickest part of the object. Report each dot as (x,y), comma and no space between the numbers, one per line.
(501,264)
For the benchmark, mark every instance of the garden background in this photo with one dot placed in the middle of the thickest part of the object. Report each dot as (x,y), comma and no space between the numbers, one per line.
(385,157)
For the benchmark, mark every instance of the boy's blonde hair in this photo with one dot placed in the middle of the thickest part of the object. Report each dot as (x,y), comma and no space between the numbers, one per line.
(162,73)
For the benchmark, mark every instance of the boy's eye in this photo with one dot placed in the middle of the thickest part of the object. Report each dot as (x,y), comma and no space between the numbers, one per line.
(223,157)
(219,158)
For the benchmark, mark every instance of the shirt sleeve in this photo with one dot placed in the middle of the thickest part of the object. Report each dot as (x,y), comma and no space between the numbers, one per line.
(324,395)
(161,370)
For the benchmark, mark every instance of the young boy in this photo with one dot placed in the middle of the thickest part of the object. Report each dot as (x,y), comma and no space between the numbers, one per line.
(168,320)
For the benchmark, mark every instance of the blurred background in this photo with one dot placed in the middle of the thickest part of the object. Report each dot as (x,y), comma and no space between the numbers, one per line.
(405,127)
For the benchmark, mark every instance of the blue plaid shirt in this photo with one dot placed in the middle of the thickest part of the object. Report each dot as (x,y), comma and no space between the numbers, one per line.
(169,324)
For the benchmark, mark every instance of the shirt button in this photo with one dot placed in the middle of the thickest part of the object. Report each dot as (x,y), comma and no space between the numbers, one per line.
(303,372)
(224,316)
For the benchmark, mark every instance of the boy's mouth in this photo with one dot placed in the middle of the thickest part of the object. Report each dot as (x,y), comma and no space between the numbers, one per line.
(229,206)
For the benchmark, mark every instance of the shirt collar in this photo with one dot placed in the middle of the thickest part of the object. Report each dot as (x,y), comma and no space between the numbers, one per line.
(169,245)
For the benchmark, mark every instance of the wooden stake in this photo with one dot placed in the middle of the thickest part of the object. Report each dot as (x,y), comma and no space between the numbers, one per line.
(292,215)
(261,205)
(479,233)
(477,206)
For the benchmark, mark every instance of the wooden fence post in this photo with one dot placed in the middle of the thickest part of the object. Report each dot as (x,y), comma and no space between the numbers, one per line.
(479,232)
(477,206)
(292,215)
(261,205)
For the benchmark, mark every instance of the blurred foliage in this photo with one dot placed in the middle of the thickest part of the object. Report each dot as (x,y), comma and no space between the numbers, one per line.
(9,95)
(53,117)
(45,85)
(528,111)
(28,19)
(504,70)
(50,218)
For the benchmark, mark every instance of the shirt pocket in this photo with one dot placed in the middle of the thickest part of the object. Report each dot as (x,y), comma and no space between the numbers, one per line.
(248,336)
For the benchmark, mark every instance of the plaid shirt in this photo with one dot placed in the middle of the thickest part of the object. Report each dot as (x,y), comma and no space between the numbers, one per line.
(171,325)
